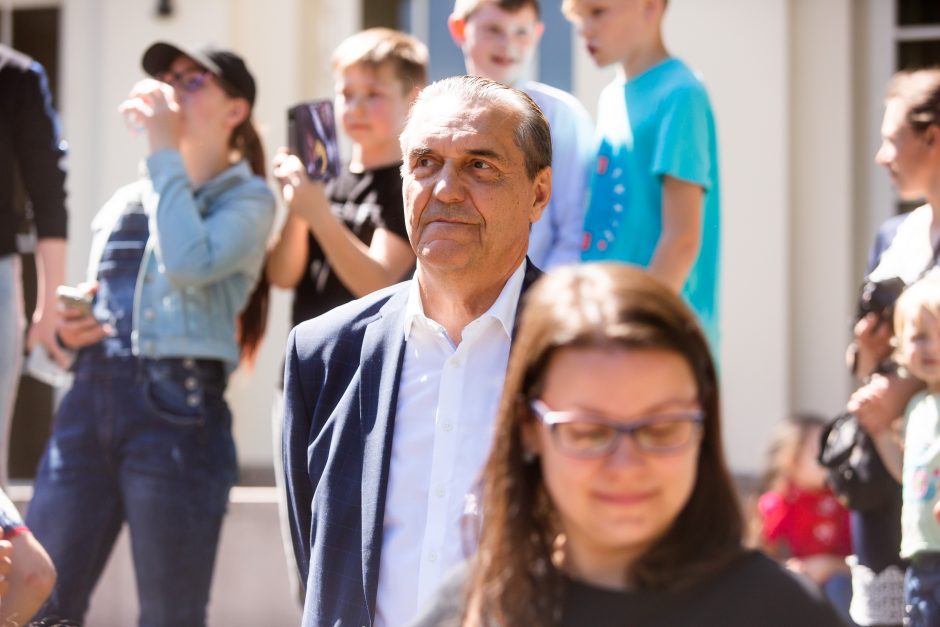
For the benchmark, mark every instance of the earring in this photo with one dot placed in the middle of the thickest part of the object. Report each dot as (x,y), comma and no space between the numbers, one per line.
(528,456)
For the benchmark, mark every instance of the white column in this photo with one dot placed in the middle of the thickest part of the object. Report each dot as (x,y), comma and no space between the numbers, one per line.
(821,247)
(741,47)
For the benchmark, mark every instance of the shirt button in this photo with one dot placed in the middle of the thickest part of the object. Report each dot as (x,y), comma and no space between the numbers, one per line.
(149,314)
(191,383)
(455,363)
(189,363)
(439,492)
(432,556)
(192,400)
(448,427)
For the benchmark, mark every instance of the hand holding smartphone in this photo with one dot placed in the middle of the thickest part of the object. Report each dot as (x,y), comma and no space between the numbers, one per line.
(311,131)
(74,298)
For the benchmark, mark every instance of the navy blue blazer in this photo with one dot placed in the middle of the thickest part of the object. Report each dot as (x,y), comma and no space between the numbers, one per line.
(341,380)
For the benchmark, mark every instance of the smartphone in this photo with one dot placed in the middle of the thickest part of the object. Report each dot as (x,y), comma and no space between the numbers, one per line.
(74,298)
(311,135)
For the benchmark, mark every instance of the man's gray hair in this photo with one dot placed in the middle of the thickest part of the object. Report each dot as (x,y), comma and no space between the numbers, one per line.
(532,134)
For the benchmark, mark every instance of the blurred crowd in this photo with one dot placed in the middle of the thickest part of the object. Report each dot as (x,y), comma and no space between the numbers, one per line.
(500,401)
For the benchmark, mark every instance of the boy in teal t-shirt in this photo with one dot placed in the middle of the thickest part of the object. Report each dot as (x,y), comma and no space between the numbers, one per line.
(654,197)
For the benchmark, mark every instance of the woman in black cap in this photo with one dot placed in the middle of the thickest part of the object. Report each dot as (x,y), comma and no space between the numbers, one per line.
(173,304)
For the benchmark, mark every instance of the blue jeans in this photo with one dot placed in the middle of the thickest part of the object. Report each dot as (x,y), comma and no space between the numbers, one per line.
(838,589)
(922,591)
(149,442)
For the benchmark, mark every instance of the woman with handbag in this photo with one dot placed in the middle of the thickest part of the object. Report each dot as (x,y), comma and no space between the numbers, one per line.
(905,249)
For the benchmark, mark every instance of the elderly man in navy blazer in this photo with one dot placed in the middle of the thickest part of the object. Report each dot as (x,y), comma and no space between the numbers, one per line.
(390,400)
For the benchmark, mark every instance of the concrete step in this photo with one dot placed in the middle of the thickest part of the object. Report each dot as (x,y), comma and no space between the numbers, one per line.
(251,586)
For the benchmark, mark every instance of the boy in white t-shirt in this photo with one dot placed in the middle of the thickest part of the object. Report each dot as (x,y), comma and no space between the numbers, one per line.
(498,39)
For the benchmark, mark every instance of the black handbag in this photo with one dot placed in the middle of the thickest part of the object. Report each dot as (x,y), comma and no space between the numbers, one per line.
(856,473)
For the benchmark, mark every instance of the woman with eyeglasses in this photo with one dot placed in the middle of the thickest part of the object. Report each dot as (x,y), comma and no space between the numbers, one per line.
(605,499)
(174,304)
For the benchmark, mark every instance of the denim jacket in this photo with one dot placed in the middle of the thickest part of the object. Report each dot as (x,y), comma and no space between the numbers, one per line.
(201,262)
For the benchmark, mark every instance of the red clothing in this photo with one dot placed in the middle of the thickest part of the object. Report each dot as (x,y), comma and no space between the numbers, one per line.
(806,522)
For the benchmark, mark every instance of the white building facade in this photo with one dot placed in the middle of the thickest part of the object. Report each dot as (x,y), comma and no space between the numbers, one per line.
(796,85)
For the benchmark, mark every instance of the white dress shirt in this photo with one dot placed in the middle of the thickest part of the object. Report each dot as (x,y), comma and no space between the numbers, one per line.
(447,402)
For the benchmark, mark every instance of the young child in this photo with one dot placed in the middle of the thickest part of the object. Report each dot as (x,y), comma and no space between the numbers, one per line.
(801,521)
(654,191)
(498,39)
(347,238)
(917,329)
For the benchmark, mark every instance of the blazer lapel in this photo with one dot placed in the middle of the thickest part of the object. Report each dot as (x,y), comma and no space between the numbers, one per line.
(531,275)
(381,361)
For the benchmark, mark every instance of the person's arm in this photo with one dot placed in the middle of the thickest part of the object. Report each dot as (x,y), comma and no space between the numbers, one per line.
(891,451)
(194,249)
(50,262)
(295,441)
(877,405)
(6,566)
(572,150)
(362,269)
(682,159)
(287,259)
(681,235)
(40,154)
(30,580)
(819,568)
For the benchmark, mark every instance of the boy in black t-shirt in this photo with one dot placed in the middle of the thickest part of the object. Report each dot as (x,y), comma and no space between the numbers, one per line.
(347,238)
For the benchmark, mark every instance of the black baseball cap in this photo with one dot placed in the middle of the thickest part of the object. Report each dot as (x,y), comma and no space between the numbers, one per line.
(226,65)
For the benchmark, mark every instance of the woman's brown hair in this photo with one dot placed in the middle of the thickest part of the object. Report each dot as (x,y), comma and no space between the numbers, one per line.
(513,581)
(253,319)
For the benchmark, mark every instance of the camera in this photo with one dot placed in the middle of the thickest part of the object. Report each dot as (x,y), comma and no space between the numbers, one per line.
(878,297)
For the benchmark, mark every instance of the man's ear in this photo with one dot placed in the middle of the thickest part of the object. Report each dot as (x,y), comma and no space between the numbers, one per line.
(542,186)
(456,26)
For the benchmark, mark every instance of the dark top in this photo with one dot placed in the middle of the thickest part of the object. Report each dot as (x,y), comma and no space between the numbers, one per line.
(753,591)
(117,283)
(29,138)
(876,533)
(365,202)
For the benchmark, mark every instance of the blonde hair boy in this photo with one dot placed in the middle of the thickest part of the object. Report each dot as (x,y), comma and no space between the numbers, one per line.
(498,39)
(375,47)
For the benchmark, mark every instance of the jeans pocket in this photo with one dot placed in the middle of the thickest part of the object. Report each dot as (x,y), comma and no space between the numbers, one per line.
(175,402)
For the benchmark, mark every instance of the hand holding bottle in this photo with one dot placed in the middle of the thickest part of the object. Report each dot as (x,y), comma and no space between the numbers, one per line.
(152,107)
